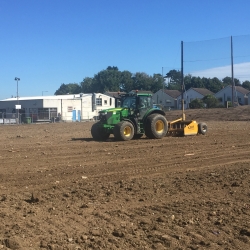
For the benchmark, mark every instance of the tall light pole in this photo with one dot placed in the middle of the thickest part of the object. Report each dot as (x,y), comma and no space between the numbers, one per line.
(17,79)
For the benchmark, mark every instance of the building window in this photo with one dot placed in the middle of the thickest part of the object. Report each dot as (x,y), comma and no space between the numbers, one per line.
(98,101)
(2,113)
(70,108)
(105,102)
(46,113)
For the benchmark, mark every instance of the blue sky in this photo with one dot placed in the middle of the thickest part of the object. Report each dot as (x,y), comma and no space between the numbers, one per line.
(49,42)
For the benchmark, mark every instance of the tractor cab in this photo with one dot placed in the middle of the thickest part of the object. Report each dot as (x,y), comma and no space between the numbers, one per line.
(137,103)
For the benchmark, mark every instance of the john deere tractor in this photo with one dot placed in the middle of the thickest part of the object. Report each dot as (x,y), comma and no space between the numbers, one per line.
(135,117)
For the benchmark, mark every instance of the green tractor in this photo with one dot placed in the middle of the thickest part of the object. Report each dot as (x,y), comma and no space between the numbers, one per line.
(136,116)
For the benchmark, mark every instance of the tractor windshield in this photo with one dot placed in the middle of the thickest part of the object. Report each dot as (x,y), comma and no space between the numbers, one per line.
(128,102)
(145,102)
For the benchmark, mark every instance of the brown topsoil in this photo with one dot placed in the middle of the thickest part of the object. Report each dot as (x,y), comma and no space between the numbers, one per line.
(60,189)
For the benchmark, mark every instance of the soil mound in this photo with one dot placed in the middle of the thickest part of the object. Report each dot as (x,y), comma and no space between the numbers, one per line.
(240,113)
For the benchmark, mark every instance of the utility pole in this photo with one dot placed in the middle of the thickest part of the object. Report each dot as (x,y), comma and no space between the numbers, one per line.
(232,71)
(182,83)
(17,79)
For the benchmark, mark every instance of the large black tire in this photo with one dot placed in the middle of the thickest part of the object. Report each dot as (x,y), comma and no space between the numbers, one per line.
(124,131)
(202,128)
(156,126)
(98,132)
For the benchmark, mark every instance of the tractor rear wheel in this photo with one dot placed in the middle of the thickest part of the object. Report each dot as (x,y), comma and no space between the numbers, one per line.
(98,133)
(202,128)
(124,131)
(156,126)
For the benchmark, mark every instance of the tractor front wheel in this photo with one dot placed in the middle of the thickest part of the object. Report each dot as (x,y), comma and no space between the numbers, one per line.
(98,133)
(124,131)
(156,126)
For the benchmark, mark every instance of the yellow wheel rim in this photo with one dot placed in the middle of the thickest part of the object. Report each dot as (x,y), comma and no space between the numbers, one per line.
(159,126)
(127,131)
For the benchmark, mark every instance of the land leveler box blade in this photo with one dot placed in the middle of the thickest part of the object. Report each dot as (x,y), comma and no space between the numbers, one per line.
(182,127)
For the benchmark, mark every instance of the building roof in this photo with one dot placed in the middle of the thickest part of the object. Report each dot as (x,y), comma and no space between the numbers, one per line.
(172,93)
(237,88)
(114,94)
(52,97)
(241,90)
(203,91)
(142,91)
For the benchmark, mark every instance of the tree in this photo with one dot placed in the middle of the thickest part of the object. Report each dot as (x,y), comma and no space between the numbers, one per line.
(141,81)
(188,81)
(157,83)
(210,101)
(107,80)
(87,85)
(71,88)
(196,104)
(246,85)
(213,84)
(112,79)
(197,82)
(126,81)
(228,81)
(112,68)
(175,79)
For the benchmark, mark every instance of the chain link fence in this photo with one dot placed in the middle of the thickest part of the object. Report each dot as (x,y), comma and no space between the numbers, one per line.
(15,118)
(8,118)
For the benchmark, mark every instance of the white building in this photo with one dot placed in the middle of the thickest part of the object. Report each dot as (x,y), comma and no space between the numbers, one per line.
(240,94)
(191,94)
(167,98)
(61,107)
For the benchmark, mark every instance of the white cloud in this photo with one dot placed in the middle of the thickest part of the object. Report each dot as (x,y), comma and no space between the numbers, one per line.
(241,72)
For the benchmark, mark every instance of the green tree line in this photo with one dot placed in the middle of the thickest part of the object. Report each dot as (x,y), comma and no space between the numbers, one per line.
(213,84)
(114,80)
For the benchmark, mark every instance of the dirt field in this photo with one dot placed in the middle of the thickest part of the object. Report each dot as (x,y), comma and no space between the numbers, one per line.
(60,189)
